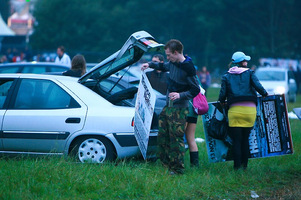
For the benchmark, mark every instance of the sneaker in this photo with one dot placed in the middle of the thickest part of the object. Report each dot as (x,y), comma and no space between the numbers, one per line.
(176,173)
(171,173)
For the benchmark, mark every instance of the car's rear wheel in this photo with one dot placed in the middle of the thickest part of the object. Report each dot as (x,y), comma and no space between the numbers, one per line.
(93,150)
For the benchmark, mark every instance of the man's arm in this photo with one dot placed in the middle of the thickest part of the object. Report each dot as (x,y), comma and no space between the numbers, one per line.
(155,65)
(194,88)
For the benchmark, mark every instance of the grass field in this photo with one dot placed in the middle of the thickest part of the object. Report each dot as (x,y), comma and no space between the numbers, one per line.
(57,178)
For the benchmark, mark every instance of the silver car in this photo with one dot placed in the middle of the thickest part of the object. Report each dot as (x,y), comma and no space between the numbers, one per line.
(278,80)
(90,118)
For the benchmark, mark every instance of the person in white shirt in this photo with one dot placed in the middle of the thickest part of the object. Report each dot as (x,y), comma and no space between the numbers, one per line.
(62,57)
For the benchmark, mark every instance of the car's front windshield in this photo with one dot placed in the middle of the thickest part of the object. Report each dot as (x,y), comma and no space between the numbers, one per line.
(270,75)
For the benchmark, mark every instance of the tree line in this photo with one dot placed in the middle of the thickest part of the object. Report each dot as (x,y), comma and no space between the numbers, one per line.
(210,30)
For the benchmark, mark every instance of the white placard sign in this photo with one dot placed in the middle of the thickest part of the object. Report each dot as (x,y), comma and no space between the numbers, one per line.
(144,110)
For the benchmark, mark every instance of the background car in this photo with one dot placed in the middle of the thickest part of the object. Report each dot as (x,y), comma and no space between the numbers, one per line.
(278,81)
(90,118)
(32,67)
(90,66)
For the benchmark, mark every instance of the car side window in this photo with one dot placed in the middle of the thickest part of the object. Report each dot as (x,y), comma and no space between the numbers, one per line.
(5,86)
(10,69)
(42,94)
(34,69)
(57,69)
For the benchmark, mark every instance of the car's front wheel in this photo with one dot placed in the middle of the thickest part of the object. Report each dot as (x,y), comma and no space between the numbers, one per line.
(93,150)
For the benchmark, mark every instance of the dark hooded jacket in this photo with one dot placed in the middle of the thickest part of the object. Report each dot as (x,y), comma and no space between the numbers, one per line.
(239,86)
(182,79)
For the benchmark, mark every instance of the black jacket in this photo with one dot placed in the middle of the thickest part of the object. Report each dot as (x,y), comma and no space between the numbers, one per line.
(158,80)
(240,87)
(74,73)
(182,79)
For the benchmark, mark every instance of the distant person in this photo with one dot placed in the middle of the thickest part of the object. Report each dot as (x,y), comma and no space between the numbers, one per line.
(239,86)
(205,78)
(62,57)
(297,76)
(28,55)
(157,78)
(78,67)
(3,59)
(182,86)
(9,55)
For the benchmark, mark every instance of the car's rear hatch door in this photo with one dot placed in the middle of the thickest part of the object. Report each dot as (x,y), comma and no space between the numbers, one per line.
(133,49)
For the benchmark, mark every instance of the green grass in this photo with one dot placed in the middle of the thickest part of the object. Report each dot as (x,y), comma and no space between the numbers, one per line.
(56,178)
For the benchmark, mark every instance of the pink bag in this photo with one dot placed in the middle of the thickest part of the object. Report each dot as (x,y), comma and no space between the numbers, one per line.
(200,104)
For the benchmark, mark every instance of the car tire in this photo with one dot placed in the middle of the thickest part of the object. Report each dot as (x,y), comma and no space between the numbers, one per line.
(93,149)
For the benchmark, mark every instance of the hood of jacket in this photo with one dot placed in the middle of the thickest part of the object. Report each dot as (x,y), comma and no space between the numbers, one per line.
(237,70)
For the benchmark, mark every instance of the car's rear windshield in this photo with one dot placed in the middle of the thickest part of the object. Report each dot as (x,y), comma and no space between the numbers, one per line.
(270,75)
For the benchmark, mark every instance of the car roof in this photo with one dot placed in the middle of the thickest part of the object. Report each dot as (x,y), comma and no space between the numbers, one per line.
(272,69)
(33,64)
(39,76)
(90,65)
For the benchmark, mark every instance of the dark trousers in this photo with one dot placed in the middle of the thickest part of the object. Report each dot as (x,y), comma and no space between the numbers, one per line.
(241,150)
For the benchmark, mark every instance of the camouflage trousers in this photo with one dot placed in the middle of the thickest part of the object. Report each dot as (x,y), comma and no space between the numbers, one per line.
(170,140)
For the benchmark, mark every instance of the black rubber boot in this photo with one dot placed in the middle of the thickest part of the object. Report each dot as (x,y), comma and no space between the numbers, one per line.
(194,159)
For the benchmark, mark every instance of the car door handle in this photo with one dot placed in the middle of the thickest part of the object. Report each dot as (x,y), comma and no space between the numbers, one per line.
(73,120)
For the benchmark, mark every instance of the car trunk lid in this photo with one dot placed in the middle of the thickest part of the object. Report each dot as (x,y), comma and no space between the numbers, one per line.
(131,52)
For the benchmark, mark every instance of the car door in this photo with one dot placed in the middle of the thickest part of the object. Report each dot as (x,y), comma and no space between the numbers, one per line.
(42,115)
(6,86)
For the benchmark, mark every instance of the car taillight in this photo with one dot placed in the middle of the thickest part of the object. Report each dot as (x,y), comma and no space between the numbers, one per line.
(148,42)
(132,124)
